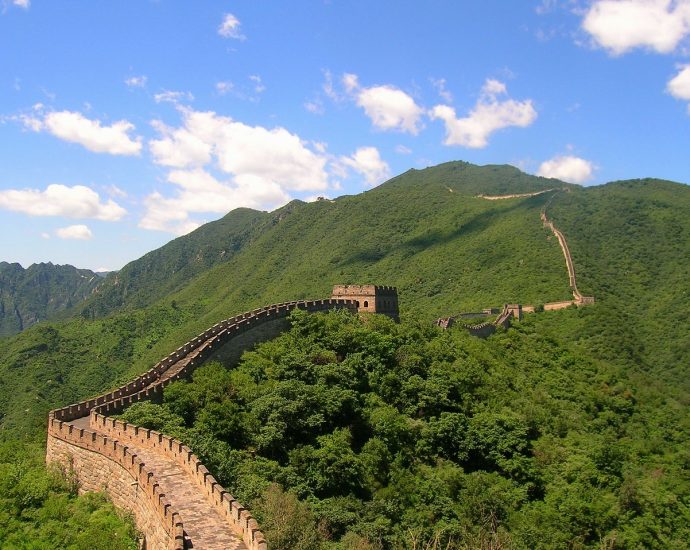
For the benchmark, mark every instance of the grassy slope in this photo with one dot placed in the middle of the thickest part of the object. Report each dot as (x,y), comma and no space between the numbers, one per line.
(631,247)
(423,231)
(443,248)
(167,269)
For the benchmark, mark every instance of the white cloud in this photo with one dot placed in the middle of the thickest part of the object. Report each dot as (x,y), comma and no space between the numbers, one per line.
(59,200)
(250,92)
(259,86)
(494,87)
(180,147)
(567,168)
(230,27)
(388,107)
(679,85)
(402,150)
(622,25)
(315,107)
(440,85)
(197,191)
(262,167)
(350,81)
(76,128)
(241,150)
(136,81)
(329,88)
(368,162)
(115,191)
(488,115)
(169,96)
(224,87)
(77,232)
(22,3)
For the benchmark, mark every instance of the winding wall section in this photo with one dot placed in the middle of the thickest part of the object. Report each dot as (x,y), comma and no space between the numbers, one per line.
(176,502)
(578,298)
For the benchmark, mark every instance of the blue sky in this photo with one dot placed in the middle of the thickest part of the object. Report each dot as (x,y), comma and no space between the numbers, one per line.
(125,124)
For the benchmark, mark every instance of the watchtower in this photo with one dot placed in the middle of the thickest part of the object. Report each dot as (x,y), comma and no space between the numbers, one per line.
(370,298)
(516,310)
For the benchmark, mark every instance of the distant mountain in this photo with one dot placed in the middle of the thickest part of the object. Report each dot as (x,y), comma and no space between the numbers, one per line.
(39,292)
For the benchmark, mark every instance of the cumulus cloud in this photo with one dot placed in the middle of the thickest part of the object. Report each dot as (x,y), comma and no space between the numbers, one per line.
(487,116)
(78,201)
(230,27)
(136,81)
(567,168)
(622,25)
(368,162)
(261,167)
(679,85)
(388,107)
(242,151)
(197,191)
(77,232)
(76,128)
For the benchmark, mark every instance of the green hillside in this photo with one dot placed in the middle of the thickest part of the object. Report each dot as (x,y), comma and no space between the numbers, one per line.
(160,272)
(594,399)
(39,292)
(345,238)
(424,232)
(630,242)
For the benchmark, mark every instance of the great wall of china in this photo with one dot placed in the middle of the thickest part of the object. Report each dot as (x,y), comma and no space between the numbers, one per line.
(175,500)
(510,311)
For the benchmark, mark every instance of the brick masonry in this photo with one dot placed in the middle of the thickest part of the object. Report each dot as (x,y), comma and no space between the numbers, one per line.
(175,500)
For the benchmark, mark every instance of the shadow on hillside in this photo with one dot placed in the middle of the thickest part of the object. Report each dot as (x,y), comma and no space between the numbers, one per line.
(476,224)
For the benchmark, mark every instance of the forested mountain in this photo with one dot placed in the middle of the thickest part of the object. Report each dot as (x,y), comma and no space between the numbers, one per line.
(39,292)
(167,269)
(568,430)
(331,240)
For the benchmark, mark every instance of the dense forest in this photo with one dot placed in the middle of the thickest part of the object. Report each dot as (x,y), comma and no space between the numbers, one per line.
(40,509)
(570,429)
(356,432)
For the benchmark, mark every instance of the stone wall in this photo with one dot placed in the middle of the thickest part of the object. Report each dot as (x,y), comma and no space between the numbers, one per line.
(579,299)
(236,516)
(101,464)
(370,298)
(81,437)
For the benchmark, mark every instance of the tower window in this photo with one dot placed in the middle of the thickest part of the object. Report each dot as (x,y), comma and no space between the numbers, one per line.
(366,303)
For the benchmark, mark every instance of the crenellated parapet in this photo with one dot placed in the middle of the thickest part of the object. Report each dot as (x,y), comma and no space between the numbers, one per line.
(129,481)
(123,459)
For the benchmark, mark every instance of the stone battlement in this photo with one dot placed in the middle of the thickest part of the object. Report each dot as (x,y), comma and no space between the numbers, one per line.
(123,459)
(370,298)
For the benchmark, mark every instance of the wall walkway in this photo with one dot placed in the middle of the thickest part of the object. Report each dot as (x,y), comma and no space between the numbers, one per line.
(176,502)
